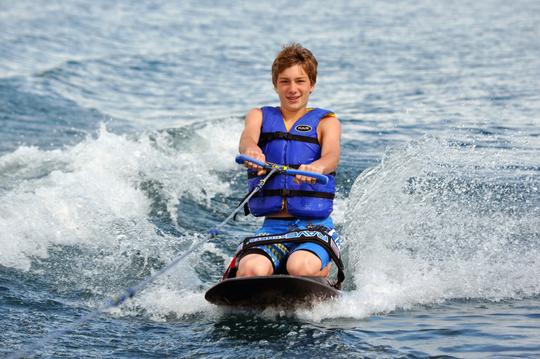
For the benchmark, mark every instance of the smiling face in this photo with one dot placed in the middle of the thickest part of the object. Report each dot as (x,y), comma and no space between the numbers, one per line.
(293,87)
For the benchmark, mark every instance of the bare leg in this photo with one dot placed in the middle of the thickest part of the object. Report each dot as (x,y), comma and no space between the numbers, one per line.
(255,265)
(305,263)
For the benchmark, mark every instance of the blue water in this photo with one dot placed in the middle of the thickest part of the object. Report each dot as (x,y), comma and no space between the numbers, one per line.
(120,123)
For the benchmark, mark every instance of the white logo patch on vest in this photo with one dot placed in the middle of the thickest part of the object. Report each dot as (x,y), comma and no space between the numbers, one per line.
(303,128)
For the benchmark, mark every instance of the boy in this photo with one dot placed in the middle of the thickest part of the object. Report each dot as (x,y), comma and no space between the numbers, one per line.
(297,136)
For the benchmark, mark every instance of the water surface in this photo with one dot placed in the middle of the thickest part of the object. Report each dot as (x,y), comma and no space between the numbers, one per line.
(120,123)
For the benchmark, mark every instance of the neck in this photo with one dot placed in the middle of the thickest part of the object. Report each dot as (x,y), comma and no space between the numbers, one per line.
(289,115)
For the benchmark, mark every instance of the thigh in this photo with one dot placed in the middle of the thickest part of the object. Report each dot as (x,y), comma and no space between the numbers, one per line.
(305,263)
(254,264)
(276,253)
(317,250)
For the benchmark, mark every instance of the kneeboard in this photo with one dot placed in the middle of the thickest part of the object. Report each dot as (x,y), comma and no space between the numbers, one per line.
(271,291)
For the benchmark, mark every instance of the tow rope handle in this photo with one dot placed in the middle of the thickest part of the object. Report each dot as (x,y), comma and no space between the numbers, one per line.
(320,178)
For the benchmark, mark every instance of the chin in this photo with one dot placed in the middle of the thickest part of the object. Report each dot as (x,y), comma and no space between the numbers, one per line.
(296,106)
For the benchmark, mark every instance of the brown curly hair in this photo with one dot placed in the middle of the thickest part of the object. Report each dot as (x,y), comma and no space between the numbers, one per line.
(291,55)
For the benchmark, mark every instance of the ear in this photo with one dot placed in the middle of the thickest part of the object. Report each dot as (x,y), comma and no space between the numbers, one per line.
(312,88)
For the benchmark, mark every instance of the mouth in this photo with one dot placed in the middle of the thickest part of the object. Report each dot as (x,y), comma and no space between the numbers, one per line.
(293,98)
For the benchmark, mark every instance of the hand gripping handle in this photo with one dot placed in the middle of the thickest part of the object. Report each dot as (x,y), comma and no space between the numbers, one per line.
(283,169)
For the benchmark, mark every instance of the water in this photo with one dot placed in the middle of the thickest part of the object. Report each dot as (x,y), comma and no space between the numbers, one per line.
(120,123)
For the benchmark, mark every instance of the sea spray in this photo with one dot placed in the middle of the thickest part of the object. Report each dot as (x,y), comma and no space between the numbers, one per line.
(102,213)
(439,220)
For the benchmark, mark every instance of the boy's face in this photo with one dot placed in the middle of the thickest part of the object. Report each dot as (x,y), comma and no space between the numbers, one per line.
(293,88)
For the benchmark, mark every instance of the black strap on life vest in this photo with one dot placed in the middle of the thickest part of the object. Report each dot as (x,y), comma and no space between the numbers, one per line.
(278,135)
(284,193)
(316,234)
(295,193)
(253,174)
(246,207)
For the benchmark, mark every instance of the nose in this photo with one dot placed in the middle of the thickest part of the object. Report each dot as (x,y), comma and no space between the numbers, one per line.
(293,88)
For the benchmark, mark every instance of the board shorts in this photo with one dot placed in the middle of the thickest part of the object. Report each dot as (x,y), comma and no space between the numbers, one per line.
(278,253)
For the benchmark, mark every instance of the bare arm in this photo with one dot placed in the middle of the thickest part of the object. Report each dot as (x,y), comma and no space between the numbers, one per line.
(329,132)
(250,137)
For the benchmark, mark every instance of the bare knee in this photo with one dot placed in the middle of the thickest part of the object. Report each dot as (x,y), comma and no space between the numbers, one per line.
(254,265)
(304,263)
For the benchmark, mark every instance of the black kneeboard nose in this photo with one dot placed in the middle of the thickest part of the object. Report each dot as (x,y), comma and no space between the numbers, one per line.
(271,291)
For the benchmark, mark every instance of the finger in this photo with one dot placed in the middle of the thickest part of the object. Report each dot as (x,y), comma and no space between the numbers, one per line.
(254,166)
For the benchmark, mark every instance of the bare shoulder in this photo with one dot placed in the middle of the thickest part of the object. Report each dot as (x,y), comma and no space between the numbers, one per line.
(254,113)
(330,123)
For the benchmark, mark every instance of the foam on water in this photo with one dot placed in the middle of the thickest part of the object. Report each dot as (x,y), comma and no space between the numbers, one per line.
(437,221)
(98,201)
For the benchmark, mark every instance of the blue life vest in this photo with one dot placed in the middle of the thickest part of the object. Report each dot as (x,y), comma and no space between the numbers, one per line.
(298,146)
